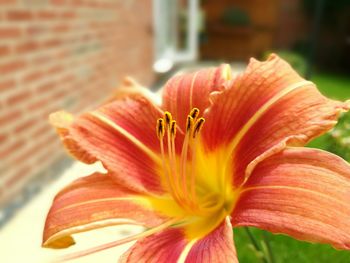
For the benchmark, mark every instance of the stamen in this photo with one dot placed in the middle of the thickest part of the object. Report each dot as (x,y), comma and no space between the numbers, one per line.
(168,118)
(121,241)
(193,174)
(183,160)
(172,157)
(173,129)
(160,129)
(189,124)
(194,113)
(198,126)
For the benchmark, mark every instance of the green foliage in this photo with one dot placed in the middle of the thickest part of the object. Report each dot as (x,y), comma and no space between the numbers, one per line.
(338,140)
(287,250)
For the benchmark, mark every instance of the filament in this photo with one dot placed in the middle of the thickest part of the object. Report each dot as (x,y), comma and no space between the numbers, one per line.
(120,241)
(181,181)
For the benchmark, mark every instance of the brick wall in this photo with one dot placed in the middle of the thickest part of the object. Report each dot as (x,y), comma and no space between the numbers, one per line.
(61,54)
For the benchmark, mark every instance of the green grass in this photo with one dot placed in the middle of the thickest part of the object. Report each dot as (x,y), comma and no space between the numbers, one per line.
(333,86)
(286,249)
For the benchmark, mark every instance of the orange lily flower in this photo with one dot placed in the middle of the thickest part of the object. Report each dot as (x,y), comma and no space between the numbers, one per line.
(218,152)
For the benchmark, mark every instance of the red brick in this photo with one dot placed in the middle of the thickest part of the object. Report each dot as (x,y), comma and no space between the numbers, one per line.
(61,28)
(26,154)
(68,15)
(42,59)
(27,47)
(39,104)
(4,51)
(9,117)
(54,70)
(10,32)
(58,2)
(52,43)
(3,138)
(12,66)
(35,30)
(19,15)
(46,87)
(59,95)
(47,15)
(7,2)
(42,130)
(22,172)
(32,76)
(7,85)
(25,125)
(12,148)
(19,97)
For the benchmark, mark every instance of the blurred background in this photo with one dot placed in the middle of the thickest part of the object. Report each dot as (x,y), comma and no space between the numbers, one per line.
(71,54)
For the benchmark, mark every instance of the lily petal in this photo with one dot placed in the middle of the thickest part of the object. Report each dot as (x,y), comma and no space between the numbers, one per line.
(62,121)
(216,247)
(171,245)
(122,136)
(165,246)
(271,105)
(186,91)
(302,192)
(92,202)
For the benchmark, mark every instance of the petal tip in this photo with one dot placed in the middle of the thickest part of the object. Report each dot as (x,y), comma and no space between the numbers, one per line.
(61,119)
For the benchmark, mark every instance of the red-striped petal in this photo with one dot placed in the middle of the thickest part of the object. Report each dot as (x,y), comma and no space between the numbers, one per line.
(165,246)
(186,91)
(92,202)
(302,192)
(266,108)
(62,121)
(171,245)
(216,247)
(122,136)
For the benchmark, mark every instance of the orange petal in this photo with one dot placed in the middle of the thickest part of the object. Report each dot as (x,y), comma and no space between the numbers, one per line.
(92,202)
(266,108)
(302,192)
(62,121)
(165,246)
(216,247)
(171,245)
(186,91)
(122,136)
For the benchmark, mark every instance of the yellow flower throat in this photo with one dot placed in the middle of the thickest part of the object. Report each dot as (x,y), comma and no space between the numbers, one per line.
(198,183)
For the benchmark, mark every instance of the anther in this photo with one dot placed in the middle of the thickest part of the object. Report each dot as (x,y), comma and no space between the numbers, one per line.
(173,129)
(189,123)
(198,126)
(168,118)
(194,113)
(160,129)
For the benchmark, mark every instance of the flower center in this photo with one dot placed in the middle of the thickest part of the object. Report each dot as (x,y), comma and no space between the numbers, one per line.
(194,178)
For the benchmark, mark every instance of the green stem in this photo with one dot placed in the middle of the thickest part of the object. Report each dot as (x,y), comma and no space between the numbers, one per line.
(269,249)
(255,244)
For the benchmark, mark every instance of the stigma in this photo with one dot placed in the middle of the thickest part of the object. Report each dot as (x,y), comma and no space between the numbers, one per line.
(179,170)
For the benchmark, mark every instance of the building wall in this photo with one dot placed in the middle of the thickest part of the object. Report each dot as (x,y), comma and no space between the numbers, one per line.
(61,54)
